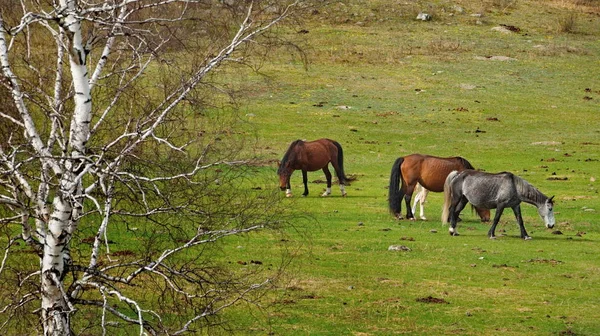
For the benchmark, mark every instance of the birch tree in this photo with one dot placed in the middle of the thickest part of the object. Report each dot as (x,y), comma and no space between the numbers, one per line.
(104,129)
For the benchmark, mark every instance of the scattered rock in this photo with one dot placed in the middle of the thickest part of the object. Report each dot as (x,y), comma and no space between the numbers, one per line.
(511,28)
(399,248)
(424,17)
(495,58)
(502,29)
(433,231)
(557,232)
(458,9)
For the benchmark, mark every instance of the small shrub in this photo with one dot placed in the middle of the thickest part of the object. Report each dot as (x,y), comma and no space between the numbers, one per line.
(567,23)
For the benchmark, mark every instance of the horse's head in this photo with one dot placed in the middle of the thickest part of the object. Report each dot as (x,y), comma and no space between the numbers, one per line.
(284,175)
(546,211)
(484,214)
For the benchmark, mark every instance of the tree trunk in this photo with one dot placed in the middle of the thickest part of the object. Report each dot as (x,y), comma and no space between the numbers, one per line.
(55,309)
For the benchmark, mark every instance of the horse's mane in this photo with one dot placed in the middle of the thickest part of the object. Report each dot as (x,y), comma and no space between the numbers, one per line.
(465,163)
(286,156)
(527,192)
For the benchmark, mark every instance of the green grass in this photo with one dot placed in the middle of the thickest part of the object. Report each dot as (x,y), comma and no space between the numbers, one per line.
(419,87)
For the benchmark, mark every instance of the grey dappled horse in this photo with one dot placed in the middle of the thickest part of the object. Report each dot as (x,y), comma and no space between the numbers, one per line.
(499,191)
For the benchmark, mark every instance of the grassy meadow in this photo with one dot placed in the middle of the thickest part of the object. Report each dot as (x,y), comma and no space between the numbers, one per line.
(385,85)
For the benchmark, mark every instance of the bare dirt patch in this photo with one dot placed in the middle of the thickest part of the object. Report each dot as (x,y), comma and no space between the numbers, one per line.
(431,299)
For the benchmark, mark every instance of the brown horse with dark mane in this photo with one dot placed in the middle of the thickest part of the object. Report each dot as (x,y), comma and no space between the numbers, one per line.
(430,172)
(312,156)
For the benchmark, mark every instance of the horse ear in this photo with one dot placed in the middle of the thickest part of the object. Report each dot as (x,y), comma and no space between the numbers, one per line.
(551,199)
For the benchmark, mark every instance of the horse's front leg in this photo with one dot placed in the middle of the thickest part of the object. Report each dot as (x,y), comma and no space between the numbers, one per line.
(492,232)
(305,181)
(288,186)
(328,178)
(517,211)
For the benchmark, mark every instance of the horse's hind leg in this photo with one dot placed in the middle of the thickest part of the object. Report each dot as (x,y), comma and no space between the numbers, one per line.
(492,232)
(328,178)
(305,181)
(517,211)
(339,175)
(409,191)
(455,210)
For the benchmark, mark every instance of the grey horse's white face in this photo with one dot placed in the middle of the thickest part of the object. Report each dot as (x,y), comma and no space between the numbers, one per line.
(546,211)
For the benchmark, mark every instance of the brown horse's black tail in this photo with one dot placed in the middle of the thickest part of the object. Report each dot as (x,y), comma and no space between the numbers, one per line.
(395,193)
(343,179)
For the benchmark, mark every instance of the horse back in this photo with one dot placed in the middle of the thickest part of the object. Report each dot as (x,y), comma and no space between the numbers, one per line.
(431,171)
(315,155)
(486,190)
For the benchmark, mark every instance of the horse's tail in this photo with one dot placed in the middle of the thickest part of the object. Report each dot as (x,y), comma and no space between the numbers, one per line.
(341,176)
(395,193)
(447,196)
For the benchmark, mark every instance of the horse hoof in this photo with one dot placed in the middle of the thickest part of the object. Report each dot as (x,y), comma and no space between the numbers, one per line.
(412,219)
(344,194)
(325,194)
(423,218)
(527,238)
(492,237)
(288,195)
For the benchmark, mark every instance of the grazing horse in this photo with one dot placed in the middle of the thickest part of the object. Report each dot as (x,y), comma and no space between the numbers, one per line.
(491,191)
(311,156)
(428,171)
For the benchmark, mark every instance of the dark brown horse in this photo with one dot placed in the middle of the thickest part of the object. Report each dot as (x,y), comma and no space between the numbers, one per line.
(312,156)
(430,172)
